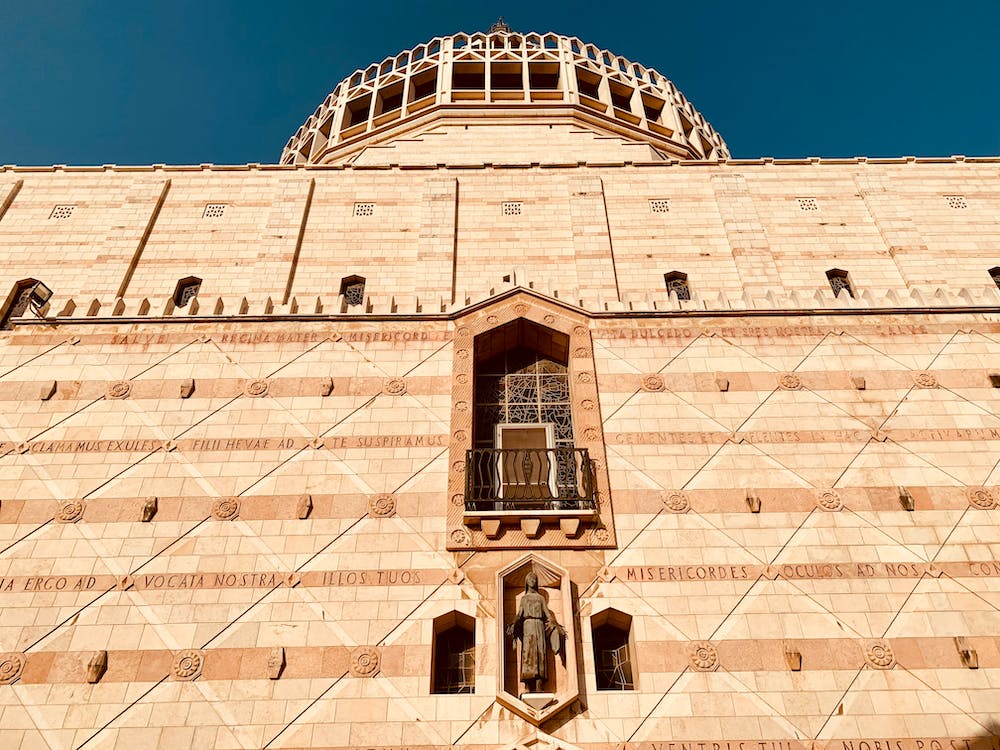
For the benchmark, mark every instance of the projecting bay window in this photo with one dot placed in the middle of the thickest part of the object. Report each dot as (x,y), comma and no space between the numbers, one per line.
(523,457)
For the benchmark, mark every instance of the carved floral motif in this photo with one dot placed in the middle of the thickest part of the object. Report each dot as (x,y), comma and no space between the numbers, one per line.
(652,383)
(829,500)
(677,502)
(11,666)
(364,662)
(394,387)
(925,380)
(121,389)
(704,656)
(226,508)
(790,382)
(70,511)
(382,505)
(585,377)
(980,497)
(188,664)
(460,537)
(520,308)
(256,388)
(879,655)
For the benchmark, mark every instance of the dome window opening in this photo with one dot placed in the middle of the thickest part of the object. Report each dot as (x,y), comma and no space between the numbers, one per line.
(588,84)
(621,100)
(186,290)
(995,275)
(677,282)
(423,86)
(840,282)
(388,102)
(506,77)
(468,79)
(652,108)
(356,115)
(543,76)
(352,288)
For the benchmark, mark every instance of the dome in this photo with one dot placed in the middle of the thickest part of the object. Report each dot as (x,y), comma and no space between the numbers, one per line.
(499,77)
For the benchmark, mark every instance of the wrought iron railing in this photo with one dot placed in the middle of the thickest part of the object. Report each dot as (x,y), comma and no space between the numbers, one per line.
(528,479)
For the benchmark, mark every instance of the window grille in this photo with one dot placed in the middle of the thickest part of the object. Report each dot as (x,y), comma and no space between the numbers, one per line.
(364,209)
(61,212)
(214,211)
(659,206)
(512,208)
(956,201)
(612,658)
(353,289)
(677,282)
(808,204)
(455,661)
(19,306)
(839,281)
(187,289)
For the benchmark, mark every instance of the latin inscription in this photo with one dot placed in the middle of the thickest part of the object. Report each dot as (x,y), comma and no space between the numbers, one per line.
(683,332)
(800,436)
(234,444)
(888,743)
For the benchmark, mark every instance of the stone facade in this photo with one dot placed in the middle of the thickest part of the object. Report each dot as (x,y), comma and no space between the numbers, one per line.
(241,519)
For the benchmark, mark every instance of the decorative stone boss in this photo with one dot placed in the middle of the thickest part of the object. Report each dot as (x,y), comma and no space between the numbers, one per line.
(537,630)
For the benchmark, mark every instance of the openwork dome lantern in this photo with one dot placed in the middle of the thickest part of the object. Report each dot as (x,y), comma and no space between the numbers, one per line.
(503,77)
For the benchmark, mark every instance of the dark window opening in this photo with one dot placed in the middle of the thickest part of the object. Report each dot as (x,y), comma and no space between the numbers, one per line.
(506,77)
(357,111)
(621,97)
(652,108)
(543,76)
(423,85)
(995,275)
(390,98)
(186,290)
(353,289)
(468,76)
(588,84)
(677,282)
(839,281)
(454,660)
(18,301)
(612,651)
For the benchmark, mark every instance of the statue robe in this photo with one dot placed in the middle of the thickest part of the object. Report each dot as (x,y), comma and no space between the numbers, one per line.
(533,619)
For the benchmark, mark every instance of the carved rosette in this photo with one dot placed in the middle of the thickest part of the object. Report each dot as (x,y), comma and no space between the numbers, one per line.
(588,405)
(492,320)
(879,655)
(652,383)
(790,382)
(394,387)
(364,662)
(520,309)
(120,389)
(829,500)
(549,319)
(188,664)
(585,377)
(581,352)
(600,535)
(70,511)
(580,330)
(460,537)
(461,406)
(980,497)
(11,666)
(255,388)
(226,508)
(704,656)
(676,502)
(382,505)
(591,434)
(924,380)
(458,499)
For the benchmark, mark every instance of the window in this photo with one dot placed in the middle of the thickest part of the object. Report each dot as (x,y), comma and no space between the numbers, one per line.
(364,209)
(956,201)
(677,282)
(587,83)
(353,289)
(611,632)
(659,205)
(61,212)
(18,301)
(214,211)
(512,208)
(995,275)
(839,281)
(523,455)
(808,204)
(186,290)
(454,654)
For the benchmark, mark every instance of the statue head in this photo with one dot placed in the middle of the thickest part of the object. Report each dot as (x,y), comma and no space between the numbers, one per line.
(531,582)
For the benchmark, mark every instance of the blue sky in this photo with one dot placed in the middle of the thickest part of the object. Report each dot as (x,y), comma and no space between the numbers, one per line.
(183,82)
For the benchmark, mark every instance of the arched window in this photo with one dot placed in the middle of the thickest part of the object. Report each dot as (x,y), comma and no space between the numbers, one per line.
(523,454)
(186,290)
(995,275)
(353,289)
(611,631)
(677,282)
(839,281)
(25,292)
(454,654)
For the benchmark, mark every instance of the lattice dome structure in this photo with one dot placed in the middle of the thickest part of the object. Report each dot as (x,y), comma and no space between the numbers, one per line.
(503,74)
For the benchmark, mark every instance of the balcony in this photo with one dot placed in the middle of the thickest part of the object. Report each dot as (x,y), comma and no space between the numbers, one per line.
(539,483)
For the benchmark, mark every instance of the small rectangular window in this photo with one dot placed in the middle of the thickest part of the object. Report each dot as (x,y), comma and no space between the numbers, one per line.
(364,209)
(840,281)
(61,212)
(512,208)
(214,211)
(659,205)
